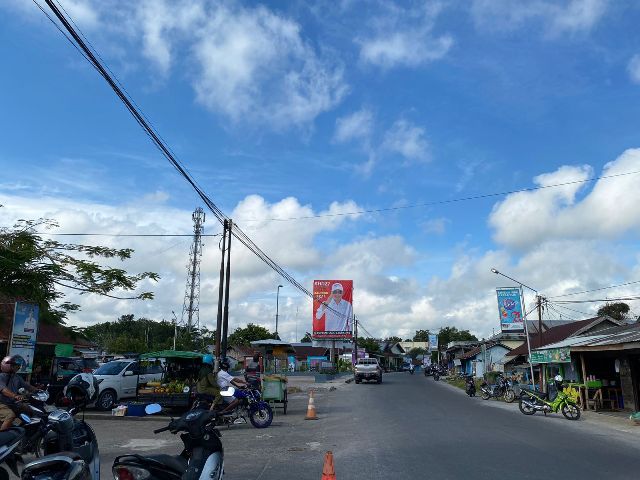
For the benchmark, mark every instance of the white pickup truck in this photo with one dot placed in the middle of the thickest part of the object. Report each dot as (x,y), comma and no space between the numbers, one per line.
(368,369)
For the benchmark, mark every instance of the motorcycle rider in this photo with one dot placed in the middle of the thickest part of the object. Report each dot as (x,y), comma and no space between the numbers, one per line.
(208,382)
(225,380)
(411,368)
(10,384)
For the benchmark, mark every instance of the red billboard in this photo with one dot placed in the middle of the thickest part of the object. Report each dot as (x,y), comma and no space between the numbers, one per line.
(332,309)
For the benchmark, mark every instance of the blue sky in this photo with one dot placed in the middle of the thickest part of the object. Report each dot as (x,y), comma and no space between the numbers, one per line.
(287,109)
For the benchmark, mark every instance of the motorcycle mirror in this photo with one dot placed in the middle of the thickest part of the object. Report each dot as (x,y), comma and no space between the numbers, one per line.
(152,408)
(25,418)
(21,391)
(228,392)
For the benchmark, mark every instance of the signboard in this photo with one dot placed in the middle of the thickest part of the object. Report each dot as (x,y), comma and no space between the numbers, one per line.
(433,343)
(551,355)
(510,309)
(24,333)
(332,309)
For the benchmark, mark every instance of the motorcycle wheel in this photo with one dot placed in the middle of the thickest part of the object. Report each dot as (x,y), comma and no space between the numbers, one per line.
(524,408)
(485,395)
(261,417)
(509,396)
(571,411)
(436,377)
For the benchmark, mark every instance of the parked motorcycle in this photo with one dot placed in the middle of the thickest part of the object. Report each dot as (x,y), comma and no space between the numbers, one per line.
(470,386)
(10,459)
(501,389)
(251,405)
(532,401)
(69,445)
(36,426)
(201,458)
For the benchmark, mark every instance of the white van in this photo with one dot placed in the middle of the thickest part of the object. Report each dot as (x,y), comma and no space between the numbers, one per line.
(118,380)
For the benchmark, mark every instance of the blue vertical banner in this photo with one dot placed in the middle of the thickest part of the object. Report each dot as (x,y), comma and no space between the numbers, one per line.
(24,333)
(433,343)
(510,309)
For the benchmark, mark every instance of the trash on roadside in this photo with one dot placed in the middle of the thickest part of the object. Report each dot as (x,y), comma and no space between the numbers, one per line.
(119,411)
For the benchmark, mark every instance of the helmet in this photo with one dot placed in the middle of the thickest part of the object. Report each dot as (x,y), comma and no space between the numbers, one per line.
(9,361)
(208,359)
(82,389)
(224,364)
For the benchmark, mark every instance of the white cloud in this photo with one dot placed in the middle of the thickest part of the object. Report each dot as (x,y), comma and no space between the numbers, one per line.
(436,225)
(254,64)
(608,210)
(356,126)
(404,37)
(557,17)
(634,69)
(408,140)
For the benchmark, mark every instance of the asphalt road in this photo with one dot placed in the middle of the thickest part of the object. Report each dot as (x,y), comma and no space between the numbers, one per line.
(406,428)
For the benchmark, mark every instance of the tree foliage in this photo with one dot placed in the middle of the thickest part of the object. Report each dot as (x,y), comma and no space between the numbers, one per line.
(370,345)
(130,335)
(38,270)
(416,352)
(452,334)
(617,311)
(250,333)
(421,336)
(393,339)
(307,338)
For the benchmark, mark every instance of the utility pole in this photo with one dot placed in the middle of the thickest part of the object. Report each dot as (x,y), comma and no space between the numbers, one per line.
(225,320)
(543,367)
(220,297)
(175,329)
(355,339)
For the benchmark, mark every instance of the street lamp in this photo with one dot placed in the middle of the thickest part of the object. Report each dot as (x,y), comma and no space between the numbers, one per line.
(277,306)
(526,331)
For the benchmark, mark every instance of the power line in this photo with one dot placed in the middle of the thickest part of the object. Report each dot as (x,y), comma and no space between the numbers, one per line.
(600,300)
(572,310)
(126,234)
(443,202)
(167,153)
(596,289)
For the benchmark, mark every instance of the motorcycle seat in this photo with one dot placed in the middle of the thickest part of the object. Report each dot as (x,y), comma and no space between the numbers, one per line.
(175,462)
(11,435)
(535,392)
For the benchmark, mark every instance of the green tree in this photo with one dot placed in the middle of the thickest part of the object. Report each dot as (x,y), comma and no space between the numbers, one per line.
(250,333)
(617,310)
(452,334)
(393,339)
(306,338)
(421,336)
(370,345)
(35,269)
(417,352)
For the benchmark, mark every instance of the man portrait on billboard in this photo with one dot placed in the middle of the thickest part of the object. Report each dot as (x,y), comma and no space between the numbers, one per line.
(337,311)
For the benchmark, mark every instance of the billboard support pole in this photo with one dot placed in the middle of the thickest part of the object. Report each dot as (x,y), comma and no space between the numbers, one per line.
(526,334)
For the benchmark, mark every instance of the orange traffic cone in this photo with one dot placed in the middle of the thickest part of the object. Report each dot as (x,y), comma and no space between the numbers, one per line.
(311,409)
(328,472)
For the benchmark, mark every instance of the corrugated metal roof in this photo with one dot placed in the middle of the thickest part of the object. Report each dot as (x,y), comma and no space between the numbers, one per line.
(611,336)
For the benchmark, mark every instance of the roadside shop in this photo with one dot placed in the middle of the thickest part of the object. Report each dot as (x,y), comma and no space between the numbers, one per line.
(179,377)
(604,368)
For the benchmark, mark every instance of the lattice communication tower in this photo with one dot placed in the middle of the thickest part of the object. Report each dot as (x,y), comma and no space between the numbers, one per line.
(191,306)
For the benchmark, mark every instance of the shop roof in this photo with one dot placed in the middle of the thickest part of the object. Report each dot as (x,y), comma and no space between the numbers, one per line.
(171,354)
(478,349)
(560,333)
(610,339)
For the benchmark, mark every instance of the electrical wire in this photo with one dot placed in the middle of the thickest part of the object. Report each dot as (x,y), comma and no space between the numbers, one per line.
(596,289)
(167,153)
(600,300)
(127,234)
(444,202)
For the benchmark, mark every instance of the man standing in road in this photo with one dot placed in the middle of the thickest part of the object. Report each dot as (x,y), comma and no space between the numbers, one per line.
(337,311)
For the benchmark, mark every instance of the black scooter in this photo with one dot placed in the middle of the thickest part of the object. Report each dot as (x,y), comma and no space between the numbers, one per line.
(70,449)
(10,459)
(201,458)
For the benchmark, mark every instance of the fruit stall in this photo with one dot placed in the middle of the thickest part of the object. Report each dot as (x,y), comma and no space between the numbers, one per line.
(180,375)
